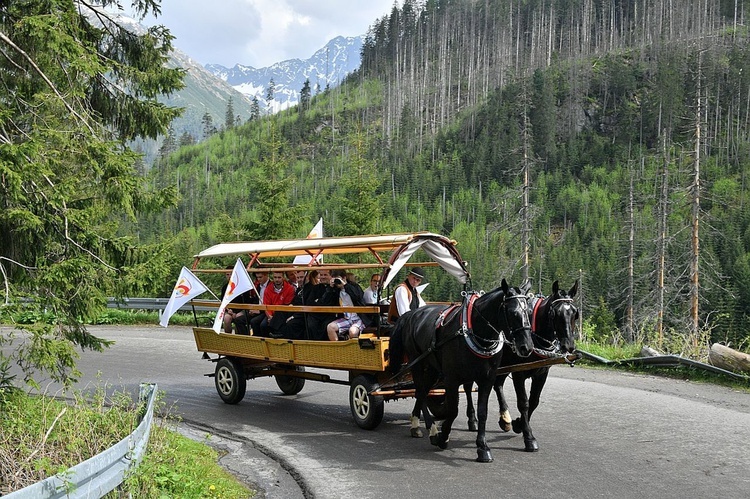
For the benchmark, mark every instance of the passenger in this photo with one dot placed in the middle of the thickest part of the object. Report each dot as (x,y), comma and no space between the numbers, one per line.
(292,325)
(324,277)
(370,296)
(238,317)
(291,277)
(317,322)
(256,317)
(279,293)
(346,294)
(301,274)
(405,298)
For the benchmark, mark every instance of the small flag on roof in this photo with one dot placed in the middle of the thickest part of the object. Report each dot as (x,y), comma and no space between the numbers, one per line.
(315,233)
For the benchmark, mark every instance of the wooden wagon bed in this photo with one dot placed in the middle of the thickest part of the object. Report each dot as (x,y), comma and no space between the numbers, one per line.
(363,354)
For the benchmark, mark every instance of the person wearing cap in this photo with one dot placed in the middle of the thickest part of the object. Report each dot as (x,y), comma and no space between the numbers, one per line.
(406,296)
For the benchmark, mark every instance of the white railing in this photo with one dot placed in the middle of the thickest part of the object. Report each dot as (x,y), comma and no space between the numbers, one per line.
(100,474)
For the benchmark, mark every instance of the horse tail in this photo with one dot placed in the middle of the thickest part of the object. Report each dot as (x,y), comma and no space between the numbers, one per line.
(396,348)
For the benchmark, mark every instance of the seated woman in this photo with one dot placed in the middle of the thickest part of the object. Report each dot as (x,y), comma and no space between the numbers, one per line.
(343,293)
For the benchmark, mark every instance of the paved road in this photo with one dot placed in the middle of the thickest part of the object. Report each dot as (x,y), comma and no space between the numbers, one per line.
(601,434)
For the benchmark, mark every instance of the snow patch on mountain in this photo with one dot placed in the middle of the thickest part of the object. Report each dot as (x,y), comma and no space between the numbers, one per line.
(326,67)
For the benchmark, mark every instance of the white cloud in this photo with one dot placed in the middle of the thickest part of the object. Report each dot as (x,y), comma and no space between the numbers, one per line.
(259,33)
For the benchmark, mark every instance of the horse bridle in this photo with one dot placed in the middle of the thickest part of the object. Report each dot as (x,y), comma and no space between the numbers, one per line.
(554,345)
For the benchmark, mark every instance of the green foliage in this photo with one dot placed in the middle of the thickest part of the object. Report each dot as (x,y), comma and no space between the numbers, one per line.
(43,437)
(74,90)
(276,218)
(178,467)
(428,138)
(609,350)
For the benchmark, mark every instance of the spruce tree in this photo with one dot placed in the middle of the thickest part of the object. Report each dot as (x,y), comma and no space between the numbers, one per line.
(76,85)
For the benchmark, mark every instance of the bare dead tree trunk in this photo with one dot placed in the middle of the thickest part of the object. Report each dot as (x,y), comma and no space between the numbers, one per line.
(629,329)
(695,212)
(662,242)
(527,161)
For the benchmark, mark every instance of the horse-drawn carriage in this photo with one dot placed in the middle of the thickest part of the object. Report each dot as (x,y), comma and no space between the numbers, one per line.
(366,359)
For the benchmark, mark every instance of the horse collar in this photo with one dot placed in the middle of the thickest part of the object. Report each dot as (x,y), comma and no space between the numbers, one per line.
(468,333)
(534,311)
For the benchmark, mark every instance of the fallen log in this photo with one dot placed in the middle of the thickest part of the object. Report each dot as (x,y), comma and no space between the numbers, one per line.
(726,358)
(647,351)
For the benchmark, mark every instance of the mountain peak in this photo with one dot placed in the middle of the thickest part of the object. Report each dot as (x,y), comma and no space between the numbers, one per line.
(328,66)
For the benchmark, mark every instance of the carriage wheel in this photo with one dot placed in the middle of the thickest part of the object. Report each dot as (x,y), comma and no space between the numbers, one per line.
(230,380)
(367,410)
(291,385)
(437,407)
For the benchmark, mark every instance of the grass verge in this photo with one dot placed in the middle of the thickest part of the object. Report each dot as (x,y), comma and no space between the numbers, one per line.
(41,436)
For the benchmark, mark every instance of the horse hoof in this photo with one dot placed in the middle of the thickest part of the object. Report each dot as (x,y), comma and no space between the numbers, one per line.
(416,433)
(517,428)
(484,456)
(504,426)
(472,425)
(438,441)
(531,445)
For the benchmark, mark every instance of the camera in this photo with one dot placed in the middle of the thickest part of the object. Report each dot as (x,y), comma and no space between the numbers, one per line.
(338,280)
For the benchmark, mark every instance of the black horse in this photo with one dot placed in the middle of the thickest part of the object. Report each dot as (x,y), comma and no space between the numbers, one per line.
(461,345)
(553,326)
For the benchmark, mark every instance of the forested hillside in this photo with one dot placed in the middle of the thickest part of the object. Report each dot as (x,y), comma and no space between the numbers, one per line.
(606,141)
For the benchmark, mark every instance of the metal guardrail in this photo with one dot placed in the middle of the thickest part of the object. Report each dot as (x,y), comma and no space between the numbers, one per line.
(149,304)
(100,474)
(664,361)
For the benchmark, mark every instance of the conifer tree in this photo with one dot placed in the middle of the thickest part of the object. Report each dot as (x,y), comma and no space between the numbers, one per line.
(254,109)
(275,217)
(207,122)
(75,86)
(304,97)
(229,115)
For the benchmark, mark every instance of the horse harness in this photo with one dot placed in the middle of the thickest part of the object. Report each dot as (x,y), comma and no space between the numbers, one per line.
(466,330)
(481,347)
(552,347)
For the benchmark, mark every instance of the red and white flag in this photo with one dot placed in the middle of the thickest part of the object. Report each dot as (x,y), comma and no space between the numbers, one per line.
(239,282)
(188,287)
(315,233)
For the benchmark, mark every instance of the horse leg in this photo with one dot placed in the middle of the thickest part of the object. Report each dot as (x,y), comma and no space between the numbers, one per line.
(419,405)
(415,431)
(537,385)
(483,450)
(431,425)
(521,424)
(451,401)
(504,419)
(470,413)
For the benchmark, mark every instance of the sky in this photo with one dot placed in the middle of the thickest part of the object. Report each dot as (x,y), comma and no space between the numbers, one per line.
(259,33)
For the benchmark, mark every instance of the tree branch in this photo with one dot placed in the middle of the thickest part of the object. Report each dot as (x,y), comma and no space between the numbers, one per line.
(30,60)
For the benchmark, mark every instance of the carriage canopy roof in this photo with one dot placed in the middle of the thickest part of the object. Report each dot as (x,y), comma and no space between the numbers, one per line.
(400,246)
